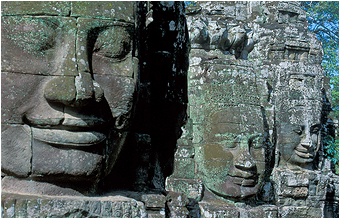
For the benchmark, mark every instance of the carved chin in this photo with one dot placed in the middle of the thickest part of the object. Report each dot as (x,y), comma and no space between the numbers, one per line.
(228,189)
(69,161)
(65,164)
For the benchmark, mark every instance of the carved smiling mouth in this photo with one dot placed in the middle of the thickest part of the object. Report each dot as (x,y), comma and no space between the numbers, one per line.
(69,132)
(303,152)
(68,138)
(246,182)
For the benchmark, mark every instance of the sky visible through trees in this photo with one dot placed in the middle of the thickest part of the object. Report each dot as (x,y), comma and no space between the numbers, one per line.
(323,20)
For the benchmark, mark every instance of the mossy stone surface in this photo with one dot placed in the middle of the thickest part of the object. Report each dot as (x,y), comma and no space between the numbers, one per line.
(114,10)
(60,8)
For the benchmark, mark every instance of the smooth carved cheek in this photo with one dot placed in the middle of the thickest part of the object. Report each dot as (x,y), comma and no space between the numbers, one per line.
(213,164)
(258,155)
(288,138)
(217,168)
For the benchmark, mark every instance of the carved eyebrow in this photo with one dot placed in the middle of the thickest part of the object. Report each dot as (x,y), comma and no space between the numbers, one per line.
(298,129)
(249,138)
(95,23)
(33,33)
(41,21)
(253,136)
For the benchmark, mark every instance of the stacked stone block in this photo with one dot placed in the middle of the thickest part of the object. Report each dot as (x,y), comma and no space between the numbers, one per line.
(300,191)
(27,206)
(155,205)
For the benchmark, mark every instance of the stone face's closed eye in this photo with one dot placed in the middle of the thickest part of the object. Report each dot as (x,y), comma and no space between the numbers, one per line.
(113,47)
(315,129)
(256,141)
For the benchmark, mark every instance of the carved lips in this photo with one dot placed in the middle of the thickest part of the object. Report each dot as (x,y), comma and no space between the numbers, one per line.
(68,138)
(72,131)
(303,152)
(246,182)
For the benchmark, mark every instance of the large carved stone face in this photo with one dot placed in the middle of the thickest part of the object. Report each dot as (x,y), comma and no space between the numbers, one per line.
(233,162)
(67,87)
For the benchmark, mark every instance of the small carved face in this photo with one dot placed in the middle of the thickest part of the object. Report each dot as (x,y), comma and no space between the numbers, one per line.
(68,82)
(233,162)
(300,123)
(299,143)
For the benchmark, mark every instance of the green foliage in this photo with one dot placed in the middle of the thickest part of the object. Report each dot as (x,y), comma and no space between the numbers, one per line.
(335,95)
(332,151)
(323,19)
(189,3)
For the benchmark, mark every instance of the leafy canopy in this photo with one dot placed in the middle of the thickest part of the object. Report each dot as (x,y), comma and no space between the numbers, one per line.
(323,17)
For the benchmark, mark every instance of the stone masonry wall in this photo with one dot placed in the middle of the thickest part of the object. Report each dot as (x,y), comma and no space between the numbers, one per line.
(269,42)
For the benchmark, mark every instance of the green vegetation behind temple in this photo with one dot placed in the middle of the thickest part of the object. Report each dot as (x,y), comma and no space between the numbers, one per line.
(323,19)
(189,3)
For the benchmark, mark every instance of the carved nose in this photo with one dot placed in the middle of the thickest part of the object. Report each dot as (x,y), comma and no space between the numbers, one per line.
(244,160)
(87,88)
(73,91)
(307,141)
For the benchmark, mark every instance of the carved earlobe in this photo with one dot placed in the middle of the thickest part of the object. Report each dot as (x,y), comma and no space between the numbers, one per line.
(122,122)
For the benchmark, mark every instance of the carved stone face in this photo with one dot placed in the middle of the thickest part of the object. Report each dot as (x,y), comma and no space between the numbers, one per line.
(67,88)
(299,139)
(299,112)
(233,162)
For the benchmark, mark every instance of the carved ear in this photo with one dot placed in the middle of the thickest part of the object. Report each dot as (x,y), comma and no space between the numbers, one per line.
(122,122)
